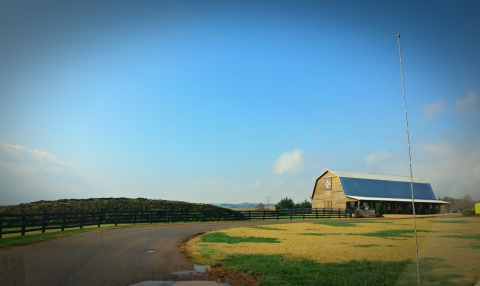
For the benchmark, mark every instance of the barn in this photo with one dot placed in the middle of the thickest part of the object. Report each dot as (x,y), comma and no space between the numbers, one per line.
(348,190)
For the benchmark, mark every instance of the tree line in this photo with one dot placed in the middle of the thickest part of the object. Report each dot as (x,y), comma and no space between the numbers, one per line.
(465,202)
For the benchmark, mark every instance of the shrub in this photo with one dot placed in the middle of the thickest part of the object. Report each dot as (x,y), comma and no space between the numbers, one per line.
(467,212)
(285,203)
(379,210)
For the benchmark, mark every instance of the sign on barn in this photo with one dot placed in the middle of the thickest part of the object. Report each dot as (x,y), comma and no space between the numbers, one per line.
(327,182)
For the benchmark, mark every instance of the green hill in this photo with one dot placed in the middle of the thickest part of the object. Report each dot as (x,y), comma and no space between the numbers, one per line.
(104,204)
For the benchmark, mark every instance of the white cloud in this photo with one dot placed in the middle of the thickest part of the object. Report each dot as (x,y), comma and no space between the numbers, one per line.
(451,168)
(433,109)
(289,162)
(378,156)
(466,104)
(258,184)
(29,175)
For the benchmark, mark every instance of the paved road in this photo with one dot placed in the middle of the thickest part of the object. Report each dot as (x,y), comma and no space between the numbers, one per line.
(106,257)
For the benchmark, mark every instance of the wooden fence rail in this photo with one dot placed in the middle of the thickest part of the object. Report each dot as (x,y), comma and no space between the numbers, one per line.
(41,222)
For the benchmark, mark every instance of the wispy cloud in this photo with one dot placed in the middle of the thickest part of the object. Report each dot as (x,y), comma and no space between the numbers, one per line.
(466,104)
(378,156)
(289,162)
(28,175)
(453,169)
(430,110)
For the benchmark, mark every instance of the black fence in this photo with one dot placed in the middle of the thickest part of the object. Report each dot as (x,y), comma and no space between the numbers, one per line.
(41,222)
(292,214)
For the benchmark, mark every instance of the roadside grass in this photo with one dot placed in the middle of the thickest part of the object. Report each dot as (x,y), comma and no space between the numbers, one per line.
(450,221)
(278,270)
(444,259)
(265,227)
(389,233)
(348,223)
(21,240)
(464,236)
(220,237)
(318,234)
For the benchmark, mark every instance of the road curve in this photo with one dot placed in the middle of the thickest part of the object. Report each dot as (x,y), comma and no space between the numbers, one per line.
(106,257)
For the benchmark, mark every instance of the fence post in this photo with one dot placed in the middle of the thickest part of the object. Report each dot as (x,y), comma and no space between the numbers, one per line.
(291,215)
(339,212)
(323,212)
(150,216)
(134,217)
(63,221)
(116,217)
(185,216)
(218,216)
(99,218)
(1,225)
(44,221)
(278,215)
(81,220)
(23,224)
(316,210)
(263,214)
(249,215)
(303,210)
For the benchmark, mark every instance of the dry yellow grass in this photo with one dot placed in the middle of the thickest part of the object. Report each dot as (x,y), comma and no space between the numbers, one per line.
(341,243)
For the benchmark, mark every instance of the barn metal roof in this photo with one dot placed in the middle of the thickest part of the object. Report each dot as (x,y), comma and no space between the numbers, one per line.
(376,177)
(396,200)
(386,189)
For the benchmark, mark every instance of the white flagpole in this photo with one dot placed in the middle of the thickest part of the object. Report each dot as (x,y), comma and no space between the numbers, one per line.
(410,161)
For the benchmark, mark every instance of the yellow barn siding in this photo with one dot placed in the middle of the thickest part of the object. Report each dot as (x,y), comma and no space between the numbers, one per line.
(336,195)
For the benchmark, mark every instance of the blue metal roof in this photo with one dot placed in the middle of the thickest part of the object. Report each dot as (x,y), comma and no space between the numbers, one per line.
(386,189)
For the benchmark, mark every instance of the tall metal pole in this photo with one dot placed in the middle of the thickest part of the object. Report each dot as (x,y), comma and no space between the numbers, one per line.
(410,161)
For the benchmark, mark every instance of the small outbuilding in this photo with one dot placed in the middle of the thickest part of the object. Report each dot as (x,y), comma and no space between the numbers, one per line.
(348,190)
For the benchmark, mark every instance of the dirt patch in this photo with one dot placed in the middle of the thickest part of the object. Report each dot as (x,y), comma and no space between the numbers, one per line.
(215,273)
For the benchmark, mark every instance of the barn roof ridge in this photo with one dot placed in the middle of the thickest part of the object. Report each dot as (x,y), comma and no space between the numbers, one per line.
(373,176)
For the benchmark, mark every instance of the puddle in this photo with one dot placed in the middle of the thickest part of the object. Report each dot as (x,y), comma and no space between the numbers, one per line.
(179,283)
(196,270)
(151,251)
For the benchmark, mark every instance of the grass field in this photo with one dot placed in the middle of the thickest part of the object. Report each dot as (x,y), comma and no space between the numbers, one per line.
(359,252)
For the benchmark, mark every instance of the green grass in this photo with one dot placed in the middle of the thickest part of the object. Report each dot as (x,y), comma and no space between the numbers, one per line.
(319,234)
(224,238)
(389,233)
(450,221)
(366,245)
(348,223)
(21,240)
(265,227)
(465,236)
(278,270)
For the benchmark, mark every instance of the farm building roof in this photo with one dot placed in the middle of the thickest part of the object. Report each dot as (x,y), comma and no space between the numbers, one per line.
(363,186)
(376,177)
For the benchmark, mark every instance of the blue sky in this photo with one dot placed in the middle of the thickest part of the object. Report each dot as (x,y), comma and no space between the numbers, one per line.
(233,101)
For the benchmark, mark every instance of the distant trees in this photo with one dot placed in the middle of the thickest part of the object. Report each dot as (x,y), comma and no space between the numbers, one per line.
(466,202)
(288,203)
(285,203)
(260,207)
